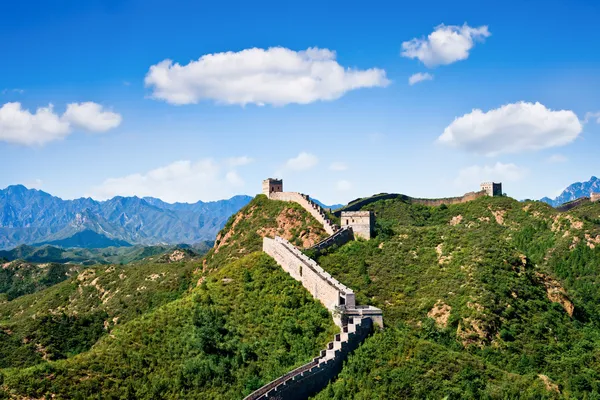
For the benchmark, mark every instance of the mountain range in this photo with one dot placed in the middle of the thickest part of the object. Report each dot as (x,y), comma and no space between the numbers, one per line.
(34,217)
(574,191)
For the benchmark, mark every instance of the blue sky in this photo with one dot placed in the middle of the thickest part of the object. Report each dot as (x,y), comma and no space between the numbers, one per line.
(334,125)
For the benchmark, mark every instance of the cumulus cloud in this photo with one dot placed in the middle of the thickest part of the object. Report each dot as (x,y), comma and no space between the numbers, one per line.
(512,128)
(338,166)
(302,162)
(419,77)
(91,117)
(343,185)
(20,126)
(592,116)
(556,159)
(180,181)
(472,176)
(276,76)
(445,45)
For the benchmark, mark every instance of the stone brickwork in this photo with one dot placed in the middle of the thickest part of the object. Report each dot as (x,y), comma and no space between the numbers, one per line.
(309,379)
(361,222)
(449,200)
(271,185)
(341,237)
(313,277)
(595,197)
(572,204)
(360,203)
(492,188)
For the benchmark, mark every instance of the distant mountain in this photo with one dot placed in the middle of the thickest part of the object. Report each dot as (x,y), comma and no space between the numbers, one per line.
(108,255)
(332,207)
(29,216)
(575,191)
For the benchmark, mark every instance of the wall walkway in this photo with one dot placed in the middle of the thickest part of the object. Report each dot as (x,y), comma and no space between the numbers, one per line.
(356,322)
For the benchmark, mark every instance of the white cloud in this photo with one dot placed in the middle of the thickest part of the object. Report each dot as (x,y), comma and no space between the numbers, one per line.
(338,166)
(91,117)
(180,181)
(556,159)
(445,45)
(512,128)
(343,185)
(239,161)
(590,116)
(276,76)
(419,77)
(472,176)
(302,162)
(21,126)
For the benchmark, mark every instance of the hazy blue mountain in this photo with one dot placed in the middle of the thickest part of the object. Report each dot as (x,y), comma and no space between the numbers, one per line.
(29,216)
(333,207)
(575,191)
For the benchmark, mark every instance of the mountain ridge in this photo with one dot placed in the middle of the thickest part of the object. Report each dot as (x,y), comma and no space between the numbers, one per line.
(31,216)
(574,191)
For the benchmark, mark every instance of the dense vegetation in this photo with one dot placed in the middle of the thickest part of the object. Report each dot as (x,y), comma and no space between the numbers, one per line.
(164,329)
(243,326)
(489,299)
(492,298)
(108,255)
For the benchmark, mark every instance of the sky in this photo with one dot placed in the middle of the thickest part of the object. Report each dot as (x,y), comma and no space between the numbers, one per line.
(188,100)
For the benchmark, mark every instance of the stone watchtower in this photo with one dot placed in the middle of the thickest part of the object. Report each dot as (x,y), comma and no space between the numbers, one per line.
(594,196)
(492,188)
(272,186)
(361,222)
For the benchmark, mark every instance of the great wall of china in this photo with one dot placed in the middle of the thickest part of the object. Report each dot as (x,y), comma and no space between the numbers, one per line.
(355,322)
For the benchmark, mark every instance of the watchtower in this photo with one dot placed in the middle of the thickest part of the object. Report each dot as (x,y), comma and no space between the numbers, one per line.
(271,185)
(594,196)
(492,188)
(361,222)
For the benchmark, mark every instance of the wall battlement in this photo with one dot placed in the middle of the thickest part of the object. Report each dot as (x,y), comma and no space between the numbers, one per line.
(342,236)
(323,287)
(312,377)
(360,203)
(356,322)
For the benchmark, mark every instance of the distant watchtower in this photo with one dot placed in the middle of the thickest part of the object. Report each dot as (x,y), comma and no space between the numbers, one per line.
(594,197)
(272,186)
(361,222)
(492,188)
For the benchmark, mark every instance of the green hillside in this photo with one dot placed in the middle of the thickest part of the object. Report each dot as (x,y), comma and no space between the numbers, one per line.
(488,299)
(156,329)
(491,299)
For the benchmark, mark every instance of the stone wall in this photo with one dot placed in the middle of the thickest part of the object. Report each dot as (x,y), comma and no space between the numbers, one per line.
(313,377)
(341,237)
(450,200)
(358,204)
(313,208)
(595,197)
(361,222)
(313,277)
(572,204)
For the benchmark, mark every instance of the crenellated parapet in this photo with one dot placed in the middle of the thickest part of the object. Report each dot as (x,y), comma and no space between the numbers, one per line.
(314,376)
